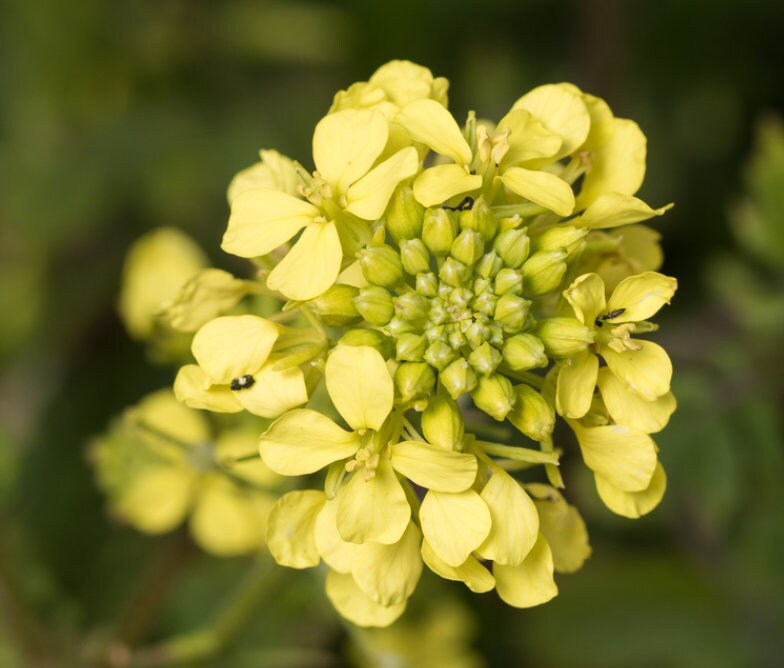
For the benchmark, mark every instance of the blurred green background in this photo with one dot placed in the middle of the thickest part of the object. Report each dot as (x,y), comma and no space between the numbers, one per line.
(118,117)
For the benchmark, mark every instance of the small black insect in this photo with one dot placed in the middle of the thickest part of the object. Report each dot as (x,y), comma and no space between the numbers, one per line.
(466,204)
(242,383)
(608,316)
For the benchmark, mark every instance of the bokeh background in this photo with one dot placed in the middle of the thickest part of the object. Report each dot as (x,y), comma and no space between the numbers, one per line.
(119,117)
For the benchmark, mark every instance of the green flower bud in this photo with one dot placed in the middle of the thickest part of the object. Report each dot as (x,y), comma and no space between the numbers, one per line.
(442,423)
(567,237)
(411,306)
(495,396)
(414,256)
(485,359)
(439,354)
(512,312)
(381,265)
(467,247)
(495,334)
(476,333)
(439,230)
(457,339)
(460,297)
(369,337)
(410,347)
(489,265)
(508,280)
(479,218)
(453,273)
(375,305)
(398,326)
(543,271)
(438,313)
(484,303)
(532,415)
(457,378)
(524,351)
(427,284)
(335,307)
(435,333)
(512,247)
(414,380)
(404,214)
(481,285)
(563,337)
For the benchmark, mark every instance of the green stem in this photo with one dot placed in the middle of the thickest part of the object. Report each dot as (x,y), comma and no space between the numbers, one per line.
(517,453)
(313,320)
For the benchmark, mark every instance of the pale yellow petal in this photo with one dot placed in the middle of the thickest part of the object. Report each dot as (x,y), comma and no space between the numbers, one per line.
(389,573)
(575,385)
(641,296)
(233,346)
(586,295)
(360,386)
(274,392)
(602,122)
(164,413)
(542,188)
(475,576)
(356,606)
(368,197)
(311,266)
(562,111)
(437,184)
(647,371)
(625,457)
(528,138)
(454,524)
(304,441)
(337,553)
(291,529)
(515,522)
(433,467)
(194,389)
(346,144)
(157,499)
(374,510)
(261,220)
(630,408)
(633,504)
(531,583)
(616,209)
(429,122)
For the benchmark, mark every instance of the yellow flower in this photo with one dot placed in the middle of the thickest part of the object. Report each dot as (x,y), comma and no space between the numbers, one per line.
(347,188)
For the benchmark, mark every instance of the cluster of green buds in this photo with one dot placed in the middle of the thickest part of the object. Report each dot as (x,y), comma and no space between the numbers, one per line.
(454,290)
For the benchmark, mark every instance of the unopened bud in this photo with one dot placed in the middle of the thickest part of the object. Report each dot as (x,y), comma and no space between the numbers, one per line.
(411,306)
(485,359)
(442,423)
(381,265)
(410,347)
(508,280)
(457,339)
(512,312)
(568,237)
(458,377)
(427,284)
(532,415)
(479,218)
(512,247)
(495,396)
(453,273)
(524,351)
(439,230)
(369,337)
(543,271)
(439,354)
(489,265)
(414,380)
(484,303)
(414,256)
(375,305)
(467,247)
(398,326)
(563,337)
(335,307)
(404,214)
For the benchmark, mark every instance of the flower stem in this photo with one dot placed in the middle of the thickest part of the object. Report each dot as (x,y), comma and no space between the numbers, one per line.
(517,453)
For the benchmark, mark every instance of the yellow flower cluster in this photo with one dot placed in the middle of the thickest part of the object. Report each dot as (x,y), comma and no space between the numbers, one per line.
(436,279)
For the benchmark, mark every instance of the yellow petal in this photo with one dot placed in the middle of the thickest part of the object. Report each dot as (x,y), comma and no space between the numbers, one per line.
(437,184)
(626,458)
(562,111)
(274,392)
(531,583)
(575,385)
(542,188)
(368,197)
(164,413)
(291,529)
(616,209)
(515,522)
(429,122)
(158,499)
(528,138)
(475,576)
(311,266)
(374,510)
(405,82)
(356,606)
(433,467)
(630,408)
(261,220)
(337,553)
(233,346)
(389,573)
(633,504)
(229,521)
(586,295)
(304,441)
(347,143)
(194,389)
(238,442)
(647,371)
(274,171)
(602,122)
(360,386)
(641,296)
(618,166)
(562,526)
(454,524)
